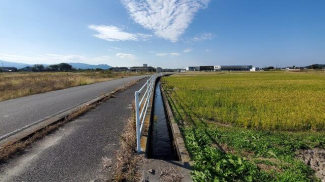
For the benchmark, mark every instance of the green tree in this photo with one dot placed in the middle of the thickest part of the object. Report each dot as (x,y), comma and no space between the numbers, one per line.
(53,67)
(65,67)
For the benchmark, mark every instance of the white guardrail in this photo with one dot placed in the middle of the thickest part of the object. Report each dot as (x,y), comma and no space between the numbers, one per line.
(142,99)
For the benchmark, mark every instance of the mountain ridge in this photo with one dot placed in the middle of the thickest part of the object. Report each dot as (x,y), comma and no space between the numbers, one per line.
(74,65)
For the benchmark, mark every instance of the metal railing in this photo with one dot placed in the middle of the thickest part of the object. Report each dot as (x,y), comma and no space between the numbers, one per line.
(142,99)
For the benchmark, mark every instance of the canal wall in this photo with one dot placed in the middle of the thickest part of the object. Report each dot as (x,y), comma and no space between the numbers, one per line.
(178,140)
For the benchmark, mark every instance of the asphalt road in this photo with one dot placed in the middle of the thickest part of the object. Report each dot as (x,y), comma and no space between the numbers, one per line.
(82,150)
(17,113)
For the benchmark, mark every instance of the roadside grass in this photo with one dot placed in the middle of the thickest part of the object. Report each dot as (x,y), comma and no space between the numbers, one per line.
(128,161)
(14,85)
(230,151)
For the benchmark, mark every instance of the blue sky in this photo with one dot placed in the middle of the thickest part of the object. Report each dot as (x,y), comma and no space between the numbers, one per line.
(167,33)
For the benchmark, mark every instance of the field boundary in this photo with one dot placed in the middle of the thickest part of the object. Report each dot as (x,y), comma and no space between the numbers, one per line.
(15,142)
(177,136)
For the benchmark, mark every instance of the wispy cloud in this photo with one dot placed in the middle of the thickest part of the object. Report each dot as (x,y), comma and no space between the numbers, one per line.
(161,54)
(167,54)
(188,50)
(175,54)
(202,37)
(116,48)
(112,33)
(126,56)
(167,18)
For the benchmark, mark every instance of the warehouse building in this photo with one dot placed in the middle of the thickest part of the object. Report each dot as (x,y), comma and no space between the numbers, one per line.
(233,68)
(206,68)
(119,69)
(144,68)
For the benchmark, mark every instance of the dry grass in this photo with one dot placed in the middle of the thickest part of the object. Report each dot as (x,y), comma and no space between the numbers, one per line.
(128,160)
(14,85)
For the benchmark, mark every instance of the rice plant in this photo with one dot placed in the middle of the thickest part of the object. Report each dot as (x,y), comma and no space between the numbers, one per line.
(263,100)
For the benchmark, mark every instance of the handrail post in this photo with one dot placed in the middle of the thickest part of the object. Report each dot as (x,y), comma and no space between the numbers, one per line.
(137,115)
(148,85)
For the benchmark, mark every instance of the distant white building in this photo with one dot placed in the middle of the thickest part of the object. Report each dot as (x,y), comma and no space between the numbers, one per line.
(255,69)
(193,68)
(217,68)
(292,69)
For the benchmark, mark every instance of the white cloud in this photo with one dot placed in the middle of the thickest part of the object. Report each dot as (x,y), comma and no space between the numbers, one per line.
(161,54)
(202,37)
(168,19)
(112,33)
(207,50)
(188,50)
(126,56)
(174,54)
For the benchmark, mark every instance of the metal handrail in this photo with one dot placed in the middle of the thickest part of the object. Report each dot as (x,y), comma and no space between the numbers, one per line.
(141,110)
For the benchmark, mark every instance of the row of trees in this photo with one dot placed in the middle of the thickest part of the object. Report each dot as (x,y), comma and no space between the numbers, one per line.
(54,67)
(314,67)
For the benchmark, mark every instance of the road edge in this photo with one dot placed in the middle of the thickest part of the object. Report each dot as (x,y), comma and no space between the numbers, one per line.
(24,138)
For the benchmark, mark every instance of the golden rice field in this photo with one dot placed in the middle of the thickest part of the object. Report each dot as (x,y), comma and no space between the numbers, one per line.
(13,85)
(259,100)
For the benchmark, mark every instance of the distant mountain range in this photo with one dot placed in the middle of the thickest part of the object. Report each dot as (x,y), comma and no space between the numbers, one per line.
(89,66)
(12,64)
(75,65)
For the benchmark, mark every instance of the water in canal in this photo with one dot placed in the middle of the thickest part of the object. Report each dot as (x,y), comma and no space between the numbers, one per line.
(161,138)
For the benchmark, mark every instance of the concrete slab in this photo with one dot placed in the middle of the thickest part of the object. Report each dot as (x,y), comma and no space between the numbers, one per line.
(162,170)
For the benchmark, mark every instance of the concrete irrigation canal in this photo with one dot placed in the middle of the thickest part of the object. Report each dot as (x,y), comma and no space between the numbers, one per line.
(167,157)
(161,140)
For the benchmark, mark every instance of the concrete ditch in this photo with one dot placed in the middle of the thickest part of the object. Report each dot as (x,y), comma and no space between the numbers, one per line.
(165,169)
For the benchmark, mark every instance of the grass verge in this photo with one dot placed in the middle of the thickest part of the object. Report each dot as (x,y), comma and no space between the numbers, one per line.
(128,160)
(14,85)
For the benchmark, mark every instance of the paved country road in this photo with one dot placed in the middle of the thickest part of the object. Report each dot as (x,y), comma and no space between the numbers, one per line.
(82,150)
(17,113)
